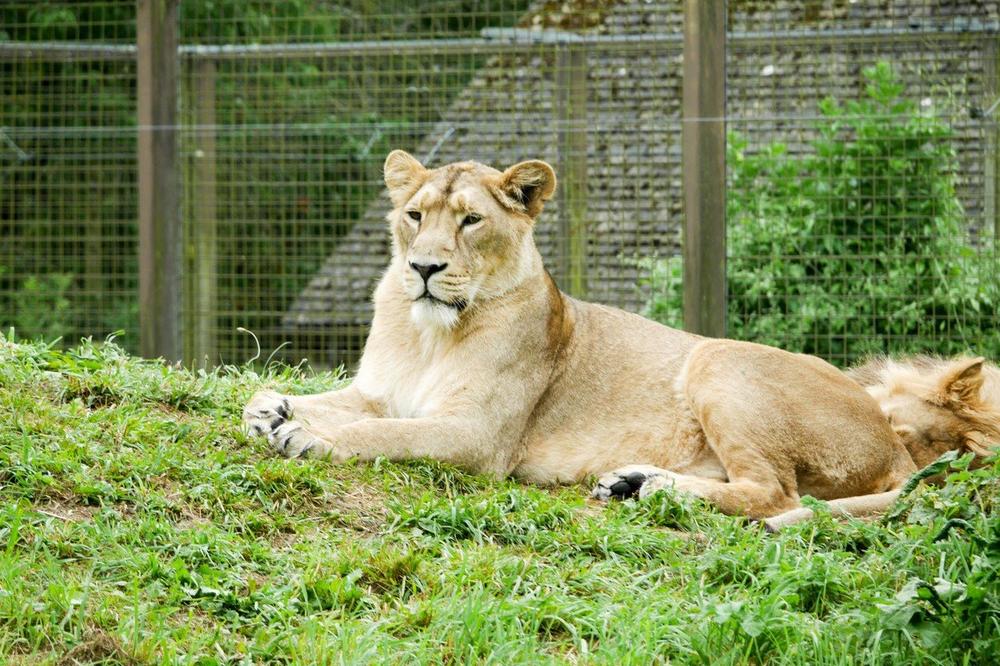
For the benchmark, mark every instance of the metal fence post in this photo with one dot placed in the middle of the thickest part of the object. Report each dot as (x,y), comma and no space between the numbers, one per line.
(160,250)
(991,126)
(201,304)
(703,155)
(571,85)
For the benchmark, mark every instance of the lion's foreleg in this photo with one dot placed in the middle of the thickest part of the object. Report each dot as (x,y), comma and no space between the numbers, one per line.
(295,424)
(324,412)
(461,441)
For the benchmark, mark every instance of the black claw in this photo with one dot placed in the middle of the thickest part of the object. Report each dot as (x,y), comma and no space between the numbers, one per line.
(283,442)
(304,452)
(284,409)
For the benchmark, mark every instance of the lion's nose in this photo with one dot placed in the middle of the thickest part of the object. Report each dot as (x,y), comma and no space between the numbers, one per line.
(427,270)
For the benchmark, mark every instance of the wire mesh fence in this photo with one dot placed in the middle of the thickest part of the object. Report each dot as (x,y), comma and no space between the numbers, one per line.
(862,162)
(67,173)
(862,179)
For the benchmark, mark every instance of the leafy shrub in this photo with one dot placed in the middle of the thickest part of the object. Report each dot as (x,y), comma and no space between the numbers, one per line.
(39,307)
(859,245)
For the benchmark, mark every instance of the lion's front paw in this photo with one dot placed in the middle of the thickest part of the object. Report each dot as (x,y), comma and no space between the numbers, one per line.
(269,414)
(291,440)
(656,482)
(632,481)
(266,412)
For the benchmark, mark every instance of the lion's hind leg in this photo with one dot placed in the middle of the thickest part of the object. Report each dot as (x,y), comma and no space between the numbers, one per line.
(753,497)
(855,507)
(757,499)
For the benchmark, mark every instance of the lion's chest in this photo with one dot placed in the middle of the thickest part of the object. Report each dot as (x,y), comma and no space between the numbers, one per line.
(408,387)
(415,394)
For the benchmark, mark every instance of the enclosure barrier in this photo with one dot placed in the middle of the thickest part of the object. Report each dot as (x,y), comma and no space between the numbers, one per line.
(187,149)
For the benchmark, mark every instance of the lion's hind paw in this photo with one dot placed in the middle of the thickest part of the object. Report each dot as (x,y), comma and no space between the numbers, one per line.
(631,481)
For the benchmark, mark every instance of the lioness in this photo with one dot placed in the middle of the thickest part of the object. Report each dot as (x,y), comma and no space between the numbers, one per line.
(476,358)
(937,405)
(934,406)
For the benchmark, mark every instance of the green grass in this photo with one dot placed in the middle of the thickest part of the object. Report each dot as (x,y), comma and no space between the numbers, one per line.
(138,524)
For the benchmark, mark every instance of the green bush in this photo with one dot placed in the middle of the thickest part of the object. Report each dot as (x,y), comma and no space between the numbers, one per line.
(39,307)
(859,245)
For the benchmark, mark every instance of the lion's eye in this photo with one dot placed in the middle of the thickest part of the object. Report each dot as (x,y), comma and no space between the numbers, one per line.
(471,219)
(414,215)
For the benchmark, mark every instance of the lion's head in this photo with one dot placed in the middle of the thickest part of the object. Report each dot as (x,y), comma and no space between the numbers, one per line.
(937,406)
(462,232)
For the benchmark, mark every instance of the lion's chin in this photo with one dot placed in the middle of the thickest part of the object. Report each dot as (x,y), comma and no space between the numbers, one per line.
(427,313)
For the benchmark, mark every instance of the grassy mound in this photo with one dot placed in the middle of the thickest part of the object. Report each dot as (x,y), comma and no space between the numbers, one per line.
(138,525)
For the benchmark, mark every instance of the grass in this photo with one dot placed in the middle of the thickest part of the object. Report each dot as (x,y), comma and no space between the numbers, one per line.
(138,525)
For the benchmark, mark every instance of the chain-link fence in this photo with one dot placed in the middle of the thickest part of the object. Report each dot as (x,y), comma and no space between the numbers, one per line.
(862,162)
(67,170)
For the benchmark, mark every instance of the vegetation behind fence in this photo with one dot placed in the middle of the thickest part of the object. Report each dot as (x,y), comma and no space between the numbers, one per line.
(859,245)
(863,222)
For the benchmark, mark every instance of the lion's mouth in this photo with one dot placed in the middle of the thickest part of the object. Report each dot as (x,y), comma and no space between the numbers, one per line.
(459,304)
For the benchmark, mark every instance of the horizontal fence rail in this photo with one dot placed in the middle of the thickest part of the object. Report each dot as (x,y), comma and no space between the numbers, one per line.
(493,41)
(835,246)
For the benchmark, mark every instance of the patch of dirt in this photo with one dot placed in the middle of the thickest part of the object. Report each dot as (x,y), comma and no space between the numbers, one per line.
(284,540)
(174,413)
(93,396)
(364,505)
(360,509)
(170,487)
(187,516)
(99,647)
(191,520)
(66,510)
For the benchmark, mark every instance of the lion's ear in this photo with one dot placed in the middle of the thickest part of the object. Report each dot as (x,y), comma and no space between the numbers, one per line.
(526,186)
(961,381)
(403,175)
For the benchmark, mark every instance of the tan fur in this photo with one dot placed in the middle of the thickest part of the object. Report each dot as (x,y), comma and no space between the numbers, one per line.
(937,405)
(934,405)
(504,374)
